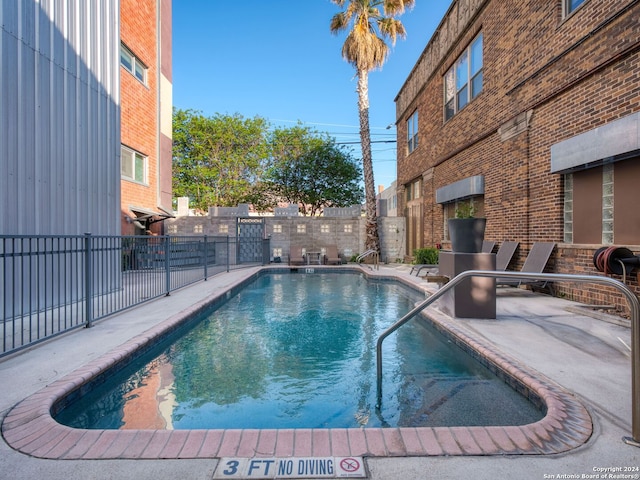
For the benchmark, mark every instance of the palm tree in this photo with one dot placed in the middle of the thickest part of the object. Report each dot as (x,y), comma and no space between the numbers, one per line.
(366,49)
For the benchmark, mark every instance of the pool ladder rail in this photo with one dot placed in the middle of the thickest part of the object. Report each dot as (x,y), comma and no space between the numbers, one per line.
(634,305)
(369,253)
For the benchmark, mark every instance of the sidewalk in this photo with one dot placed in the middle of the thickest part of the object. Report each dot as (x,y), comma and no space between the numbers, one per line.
(584,355)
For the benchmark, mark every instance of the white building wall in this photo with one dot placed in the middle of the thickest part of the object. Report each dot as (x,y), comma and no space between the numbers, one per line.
(59,117)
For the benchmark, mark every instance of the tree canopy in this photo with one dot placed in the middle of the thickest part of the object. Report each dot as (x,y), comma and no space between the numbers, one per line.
(217,160)
(312,171)
(227,159)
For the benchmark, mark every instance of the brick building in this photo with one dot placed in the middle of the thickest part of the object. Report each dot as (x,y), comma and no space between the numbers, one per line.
(146,114)
(531,110)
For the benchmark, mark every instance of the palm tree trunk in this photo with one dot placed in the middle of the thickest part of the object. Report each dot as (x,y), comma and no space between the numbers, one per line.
(372,240)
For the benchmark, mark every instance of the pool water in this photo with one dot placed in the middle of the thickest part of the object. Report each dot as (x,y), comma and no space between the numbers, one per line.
(298,351)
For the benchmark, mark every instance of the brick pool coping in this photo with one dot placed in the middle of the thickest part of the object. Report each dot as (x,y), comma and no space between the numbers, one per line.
(29,427)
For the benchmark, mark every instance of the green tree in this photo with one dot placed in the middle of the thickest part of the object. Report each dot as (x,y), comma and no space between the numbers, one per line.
(311,171)
(365,48)
(217,160)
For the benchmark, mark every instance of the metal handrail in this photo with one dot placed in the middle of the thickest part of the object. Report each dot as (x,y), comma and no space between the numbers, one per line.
(369,253)
(634,305)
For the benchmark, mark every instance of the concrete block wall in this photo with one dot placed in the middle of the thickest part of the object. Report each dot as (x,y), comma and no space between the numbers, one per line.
(311,233)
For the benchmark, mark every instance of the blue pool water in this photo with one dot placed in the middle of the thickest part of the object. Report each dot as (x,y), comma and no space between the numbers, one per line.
(298,351)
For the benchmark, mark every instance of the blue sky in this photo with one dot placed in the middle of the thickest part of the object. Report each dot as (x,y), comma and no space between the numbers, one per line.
(278,60)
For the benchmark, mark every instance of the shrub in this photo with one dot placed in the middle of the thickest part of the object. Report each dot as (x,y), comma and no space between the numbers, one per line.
(427,256)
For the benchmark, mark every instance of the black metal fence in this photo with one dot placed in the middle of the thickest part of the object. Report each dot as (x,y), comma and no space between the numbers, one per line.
(51,284)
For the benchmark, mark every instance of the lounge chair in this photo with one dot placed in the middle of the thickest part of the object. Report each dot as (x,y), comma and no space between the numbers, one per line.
(487,247)
(535,262)
(505,254)
(331,255)
(418,268)
(296,256)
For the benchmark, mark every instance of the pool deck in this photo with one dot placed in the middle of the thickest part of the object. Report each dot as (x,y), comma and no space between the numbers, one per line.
(580,366)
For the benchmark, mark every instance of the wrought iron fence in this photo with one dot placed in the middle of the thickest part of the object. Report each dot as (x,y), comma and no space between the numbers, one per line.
(51,284)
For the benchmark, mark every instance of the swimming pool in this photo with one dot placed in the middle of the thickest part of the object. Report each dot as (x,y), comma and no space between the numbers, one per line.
(297,350)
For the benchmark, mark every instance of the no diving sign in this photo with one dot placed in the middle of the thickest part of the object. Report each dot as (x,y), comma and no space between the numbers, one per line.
(291,467)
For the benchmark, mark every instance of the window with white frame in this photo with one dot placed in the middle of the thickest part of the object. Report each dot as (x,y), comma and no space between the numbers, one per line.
(301,228)
(412,132)
(571,5)
(324,228)
(198,229)
(463,81)
(348,228)
(223,229)
(277,252)
(133,165)
(277,228)
(133,64)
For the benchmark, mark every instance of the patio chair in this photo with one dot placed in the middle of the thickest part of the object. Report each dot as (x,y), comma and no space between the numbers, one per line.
(296,256)
(535,262)
(505,254)
(422,266)
(331,255)
(487,247)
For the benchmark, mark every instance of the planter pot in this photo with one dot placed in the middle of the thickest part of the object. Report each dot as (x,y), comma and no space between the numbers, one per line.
(467,234)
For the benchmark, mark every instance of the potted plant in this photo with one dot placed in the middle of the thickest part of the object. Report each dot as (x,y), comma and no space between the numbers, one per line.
(465,230)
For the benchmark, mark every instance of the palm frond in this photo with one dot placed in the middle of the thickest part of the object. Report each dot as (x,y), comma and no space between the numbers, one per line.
(364,50)
(339,22)
(397,7)
(391,28)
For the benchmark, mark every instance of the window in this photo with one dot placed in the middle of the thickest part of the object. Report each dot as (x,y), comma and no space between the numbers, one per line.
(301,228)
(348,228)
(596,204)
(414,190)
(133,165)
(568,208)
(223,229)
(198,229)
(324,228)
(277,252)
(571,5)
(412,132)
(133,64)
(463,81)
(277,228)
(607,204)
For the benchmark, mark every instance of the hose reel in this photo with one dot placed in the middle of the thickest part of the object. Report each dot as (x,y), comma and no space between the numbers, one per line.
(615,260)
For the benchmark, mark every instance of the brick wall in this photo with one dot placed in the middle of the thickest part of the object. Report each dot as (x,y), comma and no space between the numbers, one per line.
(545,79)
(139,103)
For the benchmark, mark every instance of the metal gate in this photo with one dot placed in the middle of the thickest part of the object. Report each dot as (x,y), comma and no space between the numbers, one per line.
(250,233)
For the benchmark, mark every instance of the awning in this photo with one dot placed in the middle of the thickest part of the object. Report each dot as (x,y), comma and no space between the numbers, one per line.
(150,216)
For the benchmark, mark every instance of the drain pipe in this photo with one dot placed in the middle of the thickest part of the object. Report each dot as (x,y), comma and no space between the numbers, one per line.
(634,307)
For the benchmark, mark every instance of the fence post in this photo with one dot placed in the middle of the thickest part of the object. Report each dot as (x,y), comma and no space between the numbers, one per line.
(206,257)
(88,280)
(167,266)
(228,253)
